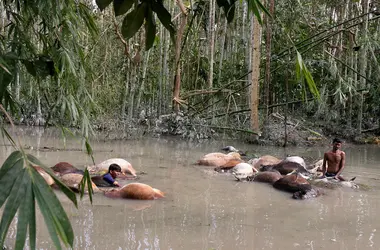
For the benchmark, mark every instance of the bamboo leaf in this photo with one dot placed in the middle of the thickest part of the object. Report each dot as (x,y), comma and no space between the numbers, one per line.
(303,73)
(310,82)
(262,7)
(2,65)
(133,21)
(150,29)
(122,6)
(32,219)
(255,10)
(67,191)
(102,4)
(47,217)
(87,178)
(165,18)
(256,6)
(9,171)
(13,203)
(24,215)
(53,212)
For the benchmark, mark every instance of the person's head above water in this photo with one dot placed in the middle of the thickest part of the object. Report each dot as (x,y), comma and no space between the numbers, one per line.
(114,169)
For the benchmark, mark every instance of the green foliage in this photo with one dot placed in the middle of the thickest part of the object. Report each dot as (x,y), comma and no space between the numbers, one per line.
(102,4)
(142,11)
(256,6)
(303,73)
(122,6)
(22,186)
(43,43)
(133,21)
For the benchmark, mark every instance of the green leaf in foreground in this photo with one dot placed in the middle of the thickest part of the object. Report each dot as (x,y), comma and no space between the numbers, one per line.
(133,21)
(122,6)
(150,29)
(21,186)
(86,181)
(303,72)
(102,4)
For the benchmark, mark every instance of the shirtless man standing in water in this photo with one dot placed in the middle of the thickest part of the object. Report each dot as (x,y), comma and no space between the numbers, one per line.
(335,160)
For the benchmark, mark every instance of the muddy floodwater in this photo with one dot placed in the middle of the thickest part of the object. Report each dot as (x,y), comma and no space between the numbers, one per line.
(206,210)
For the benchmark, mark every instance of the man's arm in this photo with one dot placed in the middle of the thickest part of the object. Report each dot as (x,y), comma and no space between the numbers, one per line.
(108,178)
(324,169)
(341,164)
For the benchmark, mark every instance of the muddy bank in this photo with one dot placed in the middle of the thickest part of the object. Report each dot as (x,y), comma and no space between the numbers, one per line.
(296,132)
(299,132)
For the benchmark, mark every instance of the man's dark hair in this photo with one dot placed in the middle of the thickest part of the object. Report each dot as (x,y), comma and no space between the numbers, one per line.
(336,140)
(114,167)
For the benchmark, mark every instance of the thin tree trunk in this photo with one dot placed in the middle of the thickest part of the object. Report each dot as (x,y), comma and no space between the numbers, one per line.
(268,44)
(18,85)
(350,56)
(286,108)
(363,62)
(255,75)
(124,96)
(177,77)
(142,82)
(162,62)
(165,70)
(133,82)
(221,57)
(211,43)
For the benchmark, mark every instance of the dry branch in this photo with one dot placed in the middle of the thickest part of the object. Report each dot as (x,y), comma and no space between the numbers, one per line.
(229,128)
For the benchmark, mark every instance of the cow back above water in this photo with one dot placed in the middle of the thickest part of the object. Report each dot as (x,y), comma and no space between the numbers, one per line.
(285,168)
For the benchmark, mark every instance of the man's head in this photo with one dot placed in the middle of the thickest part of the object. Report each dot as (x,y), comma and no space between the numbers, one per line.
(337,143)
(114,169)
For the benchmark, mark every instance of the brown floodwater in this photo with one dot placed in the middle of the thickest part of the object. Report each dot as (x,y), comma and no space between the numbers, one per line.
(207,210)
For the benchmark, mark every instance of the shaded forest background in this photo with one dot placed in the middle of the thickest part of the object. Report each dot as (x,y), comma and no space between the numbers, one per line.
(75,67)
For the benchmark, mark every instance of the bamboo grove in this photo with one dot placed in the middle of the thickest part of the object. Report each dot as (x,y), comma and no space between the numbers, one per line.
(76,64)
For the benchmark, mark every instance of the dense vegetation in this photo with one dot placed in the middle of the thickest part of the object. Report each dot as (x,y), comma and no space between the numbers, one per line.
(78,65)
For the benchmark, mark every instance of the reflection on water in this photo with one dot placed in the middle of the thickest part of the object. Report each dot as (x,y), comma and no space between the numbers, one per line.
(205,210)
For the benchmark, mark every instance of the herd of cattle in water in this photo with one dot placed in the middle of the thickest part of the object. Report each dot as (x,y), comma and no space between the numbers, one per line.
(291,174)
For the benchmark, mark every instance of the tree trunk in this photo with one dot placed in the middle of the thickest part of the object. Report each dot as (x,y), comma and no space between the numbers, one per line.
(18,85)
(363,62)
(124,96)
(221,49)
(286,108)
(177,77)
(255,75)
(268,44)
(132,87)
(211,43)
(162,62)
(142,82)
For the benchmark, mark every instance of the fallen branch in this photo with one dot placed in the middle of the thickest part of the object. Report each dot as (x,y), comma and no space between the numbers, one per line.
(370,130)
(229,128)
(280,117)
(204,92)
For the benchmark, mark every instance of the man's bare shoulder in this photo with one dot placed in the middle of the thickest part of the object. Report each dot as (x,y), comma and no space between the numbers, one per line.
(329,153)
